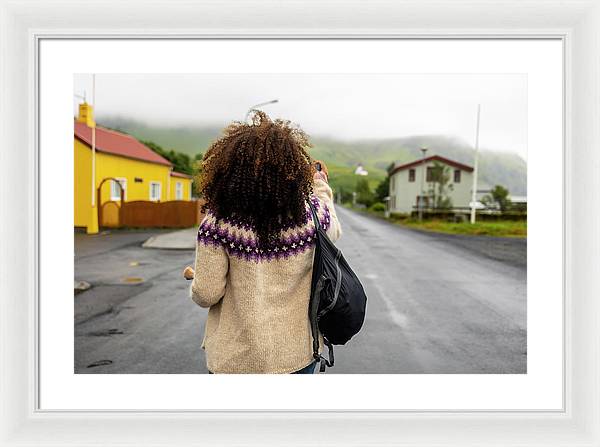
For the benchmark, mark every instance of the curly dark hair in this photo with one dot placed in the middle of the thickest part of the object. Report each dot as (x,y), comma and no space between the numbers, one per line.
(259,173)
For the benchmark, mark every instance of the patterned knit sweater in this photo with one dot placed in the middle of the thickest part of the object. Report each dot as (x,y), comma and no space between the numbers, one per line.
(258,298)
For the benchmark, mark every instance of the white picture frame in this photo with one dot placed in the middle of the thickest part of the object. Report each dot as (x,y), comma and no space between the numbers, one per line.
(23,24)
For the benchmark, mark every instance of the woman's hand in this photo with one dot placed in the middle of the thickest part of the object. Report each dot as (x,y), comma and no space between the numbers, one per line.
(188,273)
(322,174)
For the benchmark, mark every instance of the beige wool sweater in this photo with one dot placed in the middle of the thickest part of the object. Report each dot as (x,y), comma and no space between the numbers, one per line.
(258,299)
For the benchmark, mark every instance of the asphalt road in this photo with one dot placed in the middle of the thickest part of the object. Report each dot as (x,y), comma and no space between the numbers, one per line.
(437,304)
(137,317)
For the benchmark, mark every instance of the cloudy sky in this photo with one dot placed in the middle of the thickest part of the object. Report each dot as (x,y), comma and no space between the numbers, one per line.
(346,106)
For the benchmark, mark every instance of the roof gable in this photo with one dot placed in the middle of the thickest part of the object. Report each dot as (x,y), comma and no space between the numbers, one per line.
(180,175)
(117,143)
(439,158)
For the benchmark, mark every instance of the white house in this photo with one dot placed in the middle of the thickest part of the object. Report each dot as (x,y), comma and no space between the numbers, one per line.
(406,183)
(360,170)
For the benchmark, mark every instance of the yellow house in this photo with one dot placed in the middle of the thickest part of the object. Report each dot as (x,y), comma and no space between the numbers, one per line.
(106,159)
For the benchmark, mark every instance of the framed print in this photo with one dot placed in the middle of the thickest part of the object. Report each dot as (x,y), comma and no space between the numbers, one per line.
(448,151)
(492,344)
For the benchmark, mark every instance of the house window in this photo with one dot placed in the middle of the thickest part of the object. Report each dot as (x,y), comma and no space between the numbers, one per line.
(457,176)
(115,190)
(178,191)
(422,201)
(430,175)
(434,173)
(411,175)
(392,182)
(155,191)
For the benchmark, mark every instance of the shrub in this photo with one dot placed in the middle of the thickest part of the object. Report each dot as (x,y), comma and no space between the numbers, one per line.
(364,195)
(377,207)
(399,216)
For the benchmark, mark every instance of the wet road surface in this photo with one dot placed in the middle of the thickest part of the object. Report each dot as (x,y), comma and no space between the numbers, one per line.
(437,304)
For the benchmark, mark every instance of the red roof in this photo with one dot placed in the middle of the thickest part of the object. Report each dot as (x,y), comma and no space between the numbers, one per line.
(432,158)
(117,143)
(180,174)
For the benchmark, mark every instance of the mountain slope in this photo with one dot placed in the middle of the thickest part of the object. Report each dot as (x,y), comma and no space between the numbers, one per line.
(502,168)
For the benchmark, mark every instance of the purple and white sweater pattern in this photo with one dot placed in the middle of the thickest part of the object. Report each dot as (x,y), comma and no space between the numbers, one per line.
(239,240)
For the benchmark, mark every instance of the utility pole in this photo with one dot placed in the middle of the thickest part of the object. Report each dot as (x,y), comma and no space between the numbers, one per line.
(94,142)
(423,173)
(475,166)
(94,225)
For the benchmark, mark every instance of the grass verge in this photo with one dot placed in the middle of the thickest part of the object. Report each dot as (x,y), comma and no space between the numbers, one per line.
(499,228)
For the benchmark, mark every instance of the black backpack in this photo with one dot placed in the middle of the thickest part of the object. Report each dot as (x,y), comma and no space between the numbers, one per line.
(337,301)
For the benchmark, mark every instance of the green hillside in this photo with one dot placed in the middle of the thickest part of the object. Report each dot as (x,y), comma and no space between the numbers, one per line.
(503,168)
(342,178)
(189,140)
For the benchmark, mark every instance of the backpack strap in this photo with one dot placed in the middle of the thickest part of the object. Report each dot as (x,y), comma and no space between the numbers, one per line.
(322,360)
(315,217)
(314,305)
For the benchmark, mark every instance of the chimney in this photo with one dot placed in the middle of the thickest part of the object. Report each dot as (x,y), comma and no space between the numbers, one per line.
(86,114)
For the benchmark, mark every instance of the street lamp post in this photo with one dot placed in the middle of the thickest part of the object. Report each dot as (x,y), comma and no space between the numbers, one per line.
(255,106)
(422,195)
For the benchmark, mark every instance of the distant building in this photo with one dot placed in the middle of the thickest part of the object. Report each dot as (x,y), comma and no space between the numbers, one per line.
(518,199)
(406,183)
(361,171)
(122,160)
(518,202)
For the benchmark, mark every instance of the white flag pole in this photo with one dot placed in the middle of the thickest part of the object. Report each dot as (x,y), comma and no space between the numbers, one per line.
(476,163)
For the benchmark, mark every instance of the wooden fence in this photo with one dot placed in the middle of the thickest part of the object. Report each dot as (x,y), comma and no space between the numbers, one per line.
(147,214)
